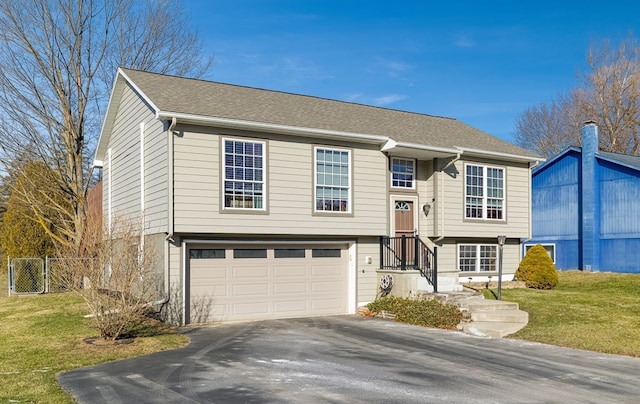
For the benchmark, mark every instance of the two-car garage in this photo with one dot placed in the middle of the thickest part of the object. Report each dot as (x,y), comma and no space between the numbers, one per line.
(254,281)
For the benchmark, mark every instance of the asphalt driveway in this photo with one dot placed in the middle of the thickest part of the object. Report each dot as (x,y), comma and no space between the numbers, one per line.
(351,359)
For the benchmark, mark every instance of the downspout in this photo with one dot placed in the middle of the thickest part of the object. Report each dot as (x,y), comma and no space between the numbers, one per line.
(169,238)
(441,197)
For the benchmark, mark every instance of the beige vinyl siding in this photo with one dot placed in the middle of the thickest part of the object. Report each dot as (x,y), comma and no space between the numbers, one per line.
(125,164)
(156,176)
(125,156)
(289,199)
(425,185)
(175,304)
(516,224)
(367,286)
(196,183)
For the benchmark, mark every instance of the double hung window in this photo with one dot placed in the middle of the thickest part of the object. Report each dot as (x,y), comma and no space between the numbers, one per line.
(484,192)
(477,257)
(332,180)
(402,173)
(244,174)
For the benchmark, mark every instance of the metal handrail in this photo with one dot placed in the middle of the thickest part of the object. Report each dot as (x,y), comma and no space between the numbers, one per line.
(409,252)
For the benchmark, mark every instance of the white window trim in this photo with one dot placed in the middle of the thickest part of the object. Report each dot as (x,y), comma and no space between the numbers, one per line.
(477,246)
(553,256)
(349,186)
(413,181)
(264,175)
(484,193)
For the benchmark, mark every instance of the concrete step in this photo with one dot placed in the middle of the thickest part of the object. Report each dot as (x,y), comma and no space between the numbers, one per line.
(492,329)
(500,316)
(481,304)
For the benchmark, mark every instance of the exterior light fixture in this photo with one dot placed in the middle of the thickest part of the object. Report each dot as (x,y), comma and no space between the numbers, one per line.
(501,241)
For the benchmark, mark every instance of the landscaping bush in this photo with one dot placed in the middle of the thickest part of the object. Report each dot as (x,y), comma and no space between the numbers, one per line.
(424,312)
(537,270)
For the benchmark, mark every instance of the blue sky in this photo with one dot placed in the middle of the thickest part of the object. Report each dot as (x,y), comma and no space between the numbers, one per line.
(481,62)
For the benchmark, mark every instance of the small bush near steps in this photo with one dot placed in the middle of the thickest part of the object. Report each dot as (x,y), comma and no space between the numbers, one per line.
(424,312)
(537,270)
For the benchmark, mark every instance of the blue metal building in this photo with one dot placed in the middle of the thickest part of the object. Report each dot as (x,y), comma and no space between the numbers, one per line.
(586,208)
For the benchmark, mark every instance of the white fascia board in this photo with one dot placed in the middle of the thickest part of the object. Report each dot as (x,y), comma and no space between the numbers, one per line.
(499,155)
(139,91)
(273,128)
(98,163)
(109,117)
(392,144)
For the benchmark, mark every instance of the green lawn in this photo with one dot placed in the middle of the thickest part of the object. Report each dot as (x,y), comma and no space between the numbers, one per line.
(593,311)
(43,335)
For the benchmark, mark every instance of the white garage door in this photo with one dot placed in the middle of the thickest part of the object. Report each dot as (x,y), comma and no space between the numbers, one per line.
(250,282)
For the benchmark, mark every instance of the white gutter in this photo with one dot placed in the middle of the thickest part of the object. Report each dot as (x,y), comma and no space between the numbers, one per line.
(507,156)
(392,144)
(269,127)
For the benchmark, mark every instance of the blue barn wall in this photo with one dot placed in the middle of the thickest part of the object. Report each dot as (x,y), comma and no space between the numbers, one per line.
(555,202)
(619,217)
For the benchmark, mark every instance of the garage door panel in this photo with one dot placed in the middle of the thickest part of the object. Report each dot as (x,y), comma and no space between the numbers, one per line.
(250,308)
(291,307)
(289,288)
(290,271)
(286,283)
(326,305)
(252,272)
(326,287)
(250,289)
(332,270)
(211,291)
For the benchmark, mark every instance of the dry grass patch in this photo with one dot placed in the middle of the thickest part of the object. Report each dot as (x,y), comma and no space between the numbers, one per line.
(593,311)
(44,335)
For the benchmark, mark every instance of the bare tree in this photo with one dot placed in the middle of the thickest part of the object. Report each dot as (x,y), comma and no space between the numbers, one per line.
(550,127)
(609,95)
(57,62)
(613,99)
(116,274)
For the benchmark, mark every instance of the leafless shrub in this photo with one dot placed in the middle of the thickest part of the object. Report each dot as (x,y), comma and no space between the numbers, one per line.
(116,275)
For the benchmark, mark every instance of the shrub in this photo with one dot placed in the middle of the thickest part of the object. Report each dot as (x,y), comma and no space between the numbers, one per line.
(537,270)
(424,312)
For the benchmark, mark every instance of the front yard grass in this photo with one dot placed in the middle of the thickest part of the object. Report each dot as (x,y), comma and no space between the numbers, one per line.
(593,311)
(43,335)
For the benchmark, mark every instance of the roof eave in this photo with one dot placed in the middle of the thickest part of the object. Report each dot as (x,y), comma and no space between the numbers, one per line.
(271,128)
(618,162)
(418,151)
(110,115)
(519,158)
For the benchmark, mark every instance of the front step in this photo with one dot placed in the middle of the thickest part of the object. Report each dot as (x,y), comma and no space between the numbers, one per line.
(491,329)
(492,318)
(501,316)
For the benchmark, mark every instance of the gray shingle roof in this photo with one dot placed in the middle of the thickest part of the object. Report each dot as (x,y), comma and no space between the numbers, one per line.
(633,161)
(211,99)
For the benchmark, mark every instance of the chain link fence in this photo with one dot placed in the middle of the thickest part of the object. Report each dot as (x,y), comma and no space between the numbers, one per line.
(27,276)
(51,275)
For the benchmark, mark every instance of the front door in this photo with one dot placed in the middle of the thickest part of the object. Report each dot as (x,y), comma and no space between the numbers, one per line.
(404,226)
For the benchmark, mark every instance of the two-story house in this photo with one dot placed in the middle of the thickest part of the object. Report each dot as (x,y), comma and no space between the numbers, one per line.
(264,204)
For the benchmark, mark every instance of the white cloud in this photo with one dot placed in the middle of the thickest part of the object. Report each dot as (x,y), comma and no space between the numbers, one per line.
(388,99)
